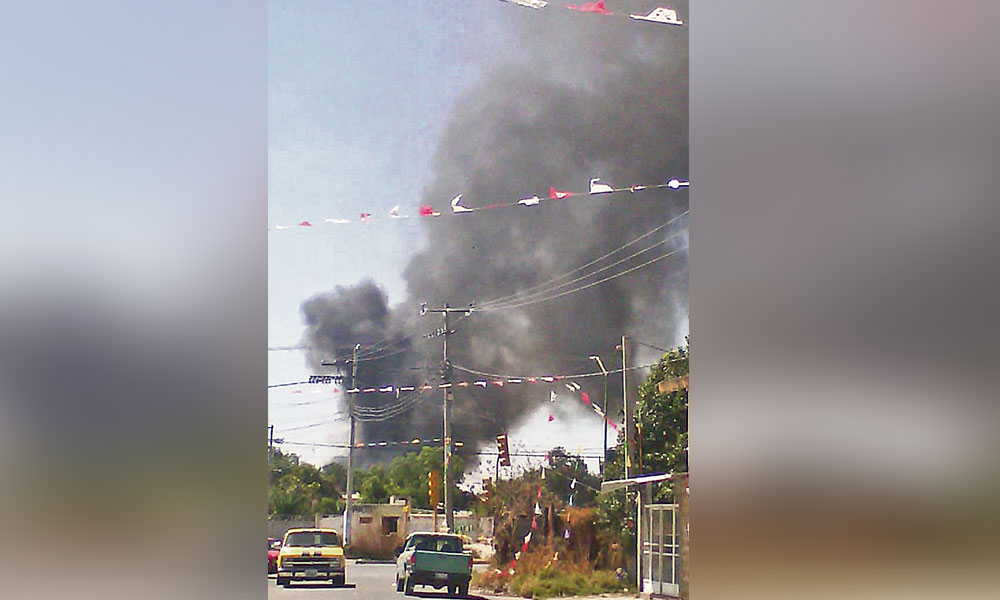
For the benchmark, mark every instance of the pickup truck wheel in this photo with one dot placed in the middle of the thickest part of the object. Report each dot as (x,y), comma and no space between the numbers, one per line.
(283,581)
(408,586)
(451,590)
(463,589)
(338,581)
(399,583)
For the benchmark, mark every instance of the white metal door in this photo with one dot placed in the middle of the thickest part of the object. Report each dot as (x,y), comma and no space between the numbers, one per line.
(660,550)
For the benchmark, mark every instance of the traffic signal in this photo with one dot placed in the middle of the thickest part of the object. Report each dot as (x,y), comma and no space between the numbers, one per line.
(434,487)
(503,454)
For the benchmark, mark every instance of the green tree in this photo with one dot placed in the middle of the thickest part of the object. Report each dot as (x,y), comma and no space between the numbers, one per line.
(298,488)
(661,422)
(408,474)
(563,470)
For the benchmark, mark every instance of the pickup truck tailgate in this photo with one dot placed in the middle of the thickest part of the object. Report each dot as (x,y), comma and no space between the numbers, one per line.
(441,562)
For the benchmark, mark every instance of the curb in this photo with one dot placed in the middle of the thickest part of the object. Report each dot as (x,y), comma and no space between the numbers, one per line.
(373,561)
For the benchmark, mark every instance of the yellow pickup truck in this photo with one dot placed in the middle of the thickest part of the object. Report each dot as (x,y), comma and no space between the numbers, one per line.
(311,555)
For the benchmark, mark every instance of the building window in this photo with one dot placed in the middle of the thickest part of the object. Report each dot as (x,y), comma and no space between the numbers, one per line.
(390,525)
(366,520)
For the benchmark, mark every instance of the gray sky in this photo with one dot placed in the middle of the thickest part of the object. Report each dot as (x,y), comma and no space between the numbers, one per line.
(358,95)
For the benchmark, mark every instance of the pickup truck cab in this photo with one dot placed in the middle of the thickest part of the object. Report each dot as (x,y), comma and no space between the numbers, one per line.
(434,559)
(311,555)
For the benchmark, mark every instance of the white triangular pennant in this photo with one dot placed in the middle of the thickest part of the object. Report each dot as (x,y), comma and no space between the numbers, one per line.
(599,188)
(667,16)
(456,205)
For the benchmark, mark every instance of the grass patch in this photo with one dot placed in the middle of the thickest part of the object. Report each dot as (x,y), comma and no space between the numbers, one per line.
(554,582)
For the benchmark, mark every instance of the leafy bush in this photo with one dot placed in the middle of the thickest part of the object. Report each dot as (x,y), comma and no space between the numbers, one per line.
(554,582)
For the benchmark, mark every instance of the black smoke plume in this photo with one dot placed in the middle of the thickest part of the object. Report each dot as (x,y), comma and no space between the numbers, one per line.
(586,97)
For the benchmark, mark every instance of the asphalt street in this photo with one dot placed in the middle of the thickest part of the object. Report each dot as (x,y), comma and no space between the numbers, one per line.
(364,582)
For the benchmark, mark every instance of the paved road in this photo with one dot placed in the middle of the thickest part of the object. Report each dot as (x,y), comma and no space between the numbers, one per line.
(364,582)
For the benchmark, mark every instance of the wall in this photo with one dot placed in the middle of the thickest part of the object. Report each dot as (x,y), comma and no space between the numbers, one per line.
(276,528)
(468,524)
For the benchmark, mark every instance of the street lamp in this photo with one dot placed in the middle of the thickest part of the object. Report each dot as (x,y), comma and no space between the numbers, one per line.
(605,371)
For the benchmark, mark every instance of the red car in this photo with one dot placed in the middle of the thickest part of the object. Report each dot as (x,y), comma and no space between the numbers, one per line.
(273,547)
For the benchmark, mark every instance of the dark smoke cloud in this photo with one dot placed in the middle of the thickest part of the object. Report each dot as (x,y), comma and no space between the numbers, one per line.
(585,97)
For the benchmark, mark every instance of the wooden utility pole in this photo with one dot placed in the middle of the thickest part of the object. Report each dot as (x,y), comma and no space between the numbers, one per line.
(350,451)
(449,515)
(628,451)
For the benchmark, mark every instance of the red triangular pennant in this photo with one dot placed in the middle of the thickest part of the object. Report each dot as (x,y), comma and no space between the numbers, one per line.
(591,7)
(558,195)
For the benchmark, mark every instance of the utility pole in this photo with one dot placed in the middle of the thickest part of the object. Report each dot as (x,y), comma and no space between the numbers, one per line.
(270,443)
(604,456)
(628,454)
(449,515)
(350,451)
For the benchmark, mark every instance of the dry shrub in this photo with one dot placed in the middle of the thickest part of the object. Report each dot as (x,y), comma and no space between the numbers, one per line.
(549,569)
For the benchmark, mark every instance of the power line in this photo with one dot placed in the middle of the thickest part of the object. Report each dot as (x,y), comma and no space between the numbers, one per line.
(530,290)
(589,285)
(393,412)
(545,292)
(278,385)
(651,346)
(284,348)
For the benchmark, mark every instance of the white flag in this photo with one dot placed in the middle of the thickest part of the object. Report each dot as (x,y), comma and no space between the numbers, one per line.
(456,205)
(552,396)
(529,201)
(667,16)
(336,221)
(394,213)
(280,227)
(674,184)
(599,188)
(535,4)
(572,484)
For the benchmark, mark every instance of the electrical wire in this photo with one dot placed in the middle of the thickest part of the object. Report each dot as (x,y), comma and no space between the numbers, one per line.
(589,285)
(531,290)
(581,278)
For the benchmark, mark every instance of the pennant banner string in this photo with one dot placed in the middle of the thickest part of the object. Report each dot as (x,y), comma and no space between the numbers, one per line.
(458,205)
(380,444)
(494,379)
(661,15)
